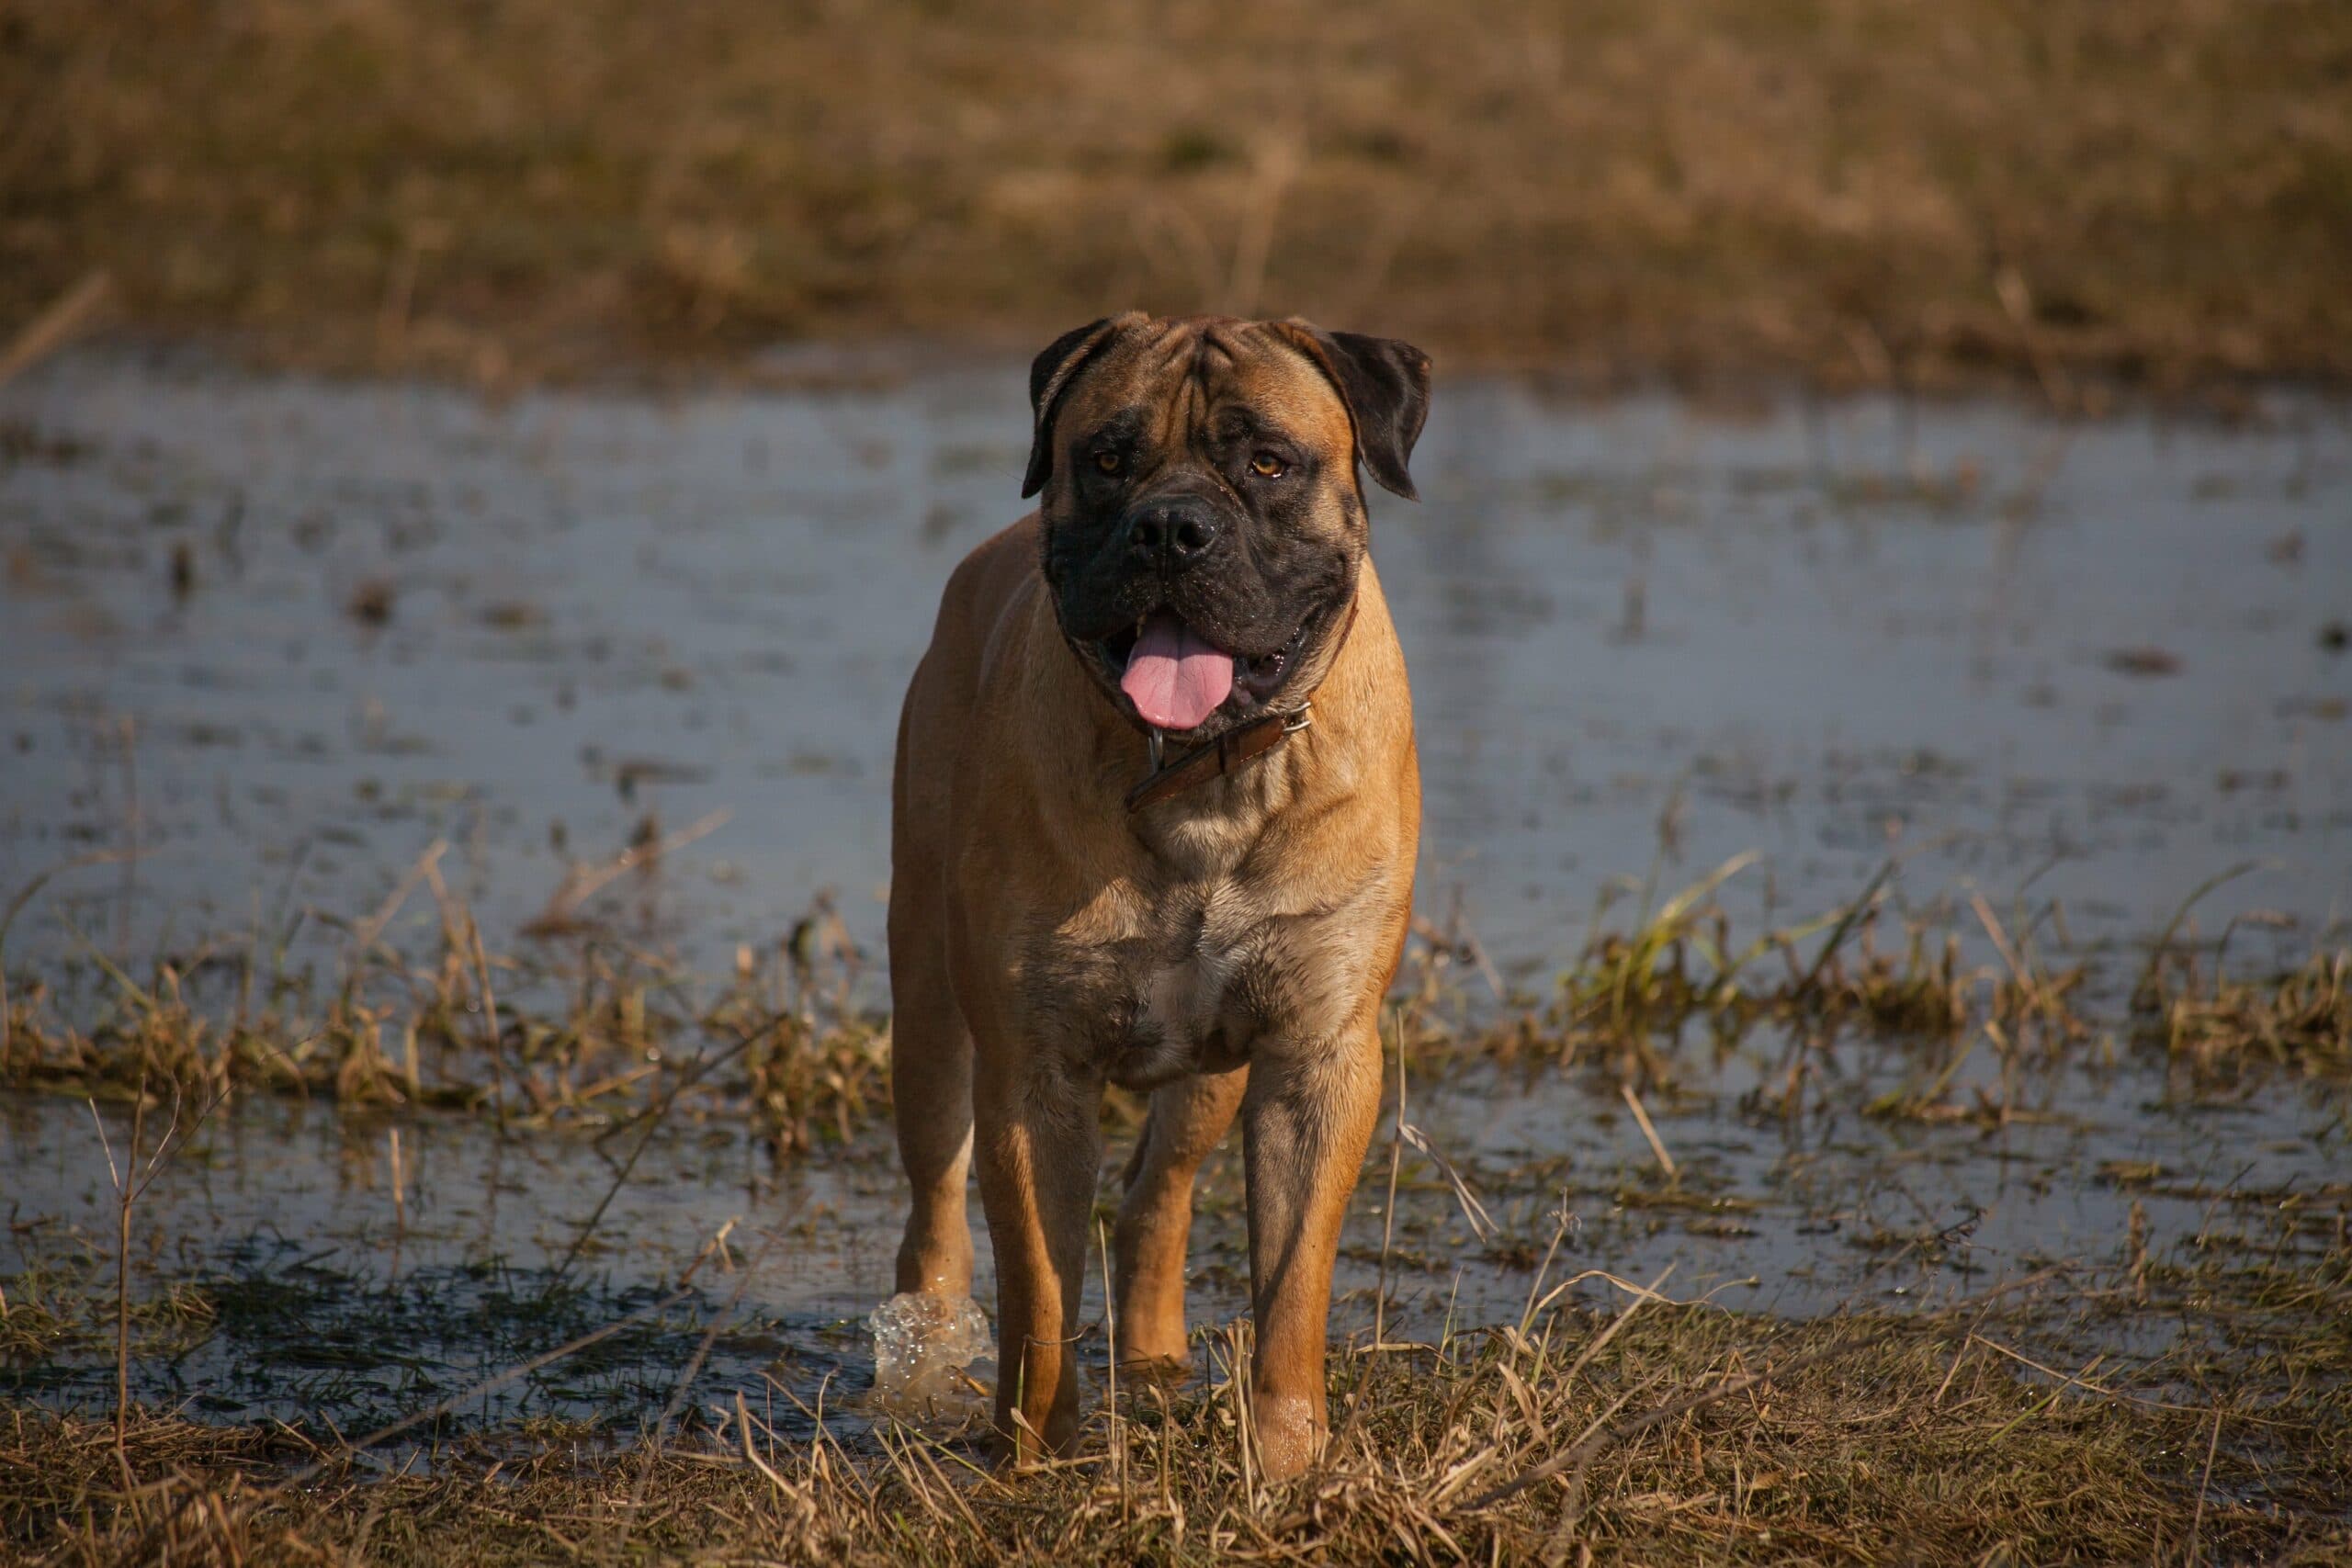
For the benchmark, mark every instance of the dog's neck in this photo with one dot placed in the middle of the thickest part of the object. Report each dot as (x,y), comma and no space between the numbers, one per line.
(1213,759)
(1089,770)
(1233,749)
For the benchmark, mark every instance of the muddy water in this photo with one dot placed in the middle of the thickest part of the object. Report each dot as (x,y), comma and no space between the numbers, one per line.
(274,637)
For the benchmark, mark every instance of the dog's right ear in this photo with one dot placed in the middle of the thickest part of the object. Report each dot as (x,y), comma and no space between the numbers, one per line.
(1050,375)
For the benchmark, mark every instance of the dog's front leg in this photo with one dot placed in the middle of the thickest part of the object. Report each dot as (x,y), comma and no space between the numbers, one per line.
(1188,1119)
(1040,1145)
(1305,1121)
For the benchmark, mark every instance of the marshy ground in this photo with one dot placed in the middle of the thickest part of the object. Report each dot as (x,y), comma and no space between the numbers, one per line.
(1876,1055)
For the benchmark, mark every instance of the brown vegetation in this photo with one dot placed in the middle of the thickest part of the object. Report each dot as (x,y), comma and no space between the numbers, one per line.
(1672,1430)
(1860,190)
(1661,1431)
(584,1035)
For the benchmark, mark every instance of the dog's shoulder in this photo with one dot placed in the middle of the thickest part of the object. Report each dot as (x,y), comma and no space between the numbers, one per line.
(984,596)
(980,598)
(987,583)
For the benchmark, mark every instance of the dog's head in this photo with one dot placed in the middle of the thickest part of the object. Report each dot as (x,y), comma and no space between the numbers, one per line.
(1204,520)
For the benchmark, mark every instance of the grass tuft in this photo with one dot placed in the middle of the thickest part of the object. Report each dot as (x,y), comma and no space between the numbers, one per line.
(598,1034)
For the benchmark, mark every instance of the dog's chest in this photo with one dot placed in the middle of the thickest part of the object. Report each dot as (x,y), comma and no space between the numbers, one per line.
(1188,983)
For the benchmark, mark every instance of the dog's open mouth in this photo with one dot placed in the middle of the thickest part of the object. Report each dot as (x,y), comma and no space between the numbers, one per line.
(1177,679)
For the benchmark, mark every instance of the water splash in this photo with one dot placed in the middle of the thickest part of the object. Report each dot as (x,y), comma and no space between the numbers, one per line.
(924,1346)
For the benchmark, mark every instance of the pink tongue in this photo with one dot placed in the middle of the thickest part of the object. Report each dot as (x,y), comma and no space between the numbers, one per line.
(1174,678)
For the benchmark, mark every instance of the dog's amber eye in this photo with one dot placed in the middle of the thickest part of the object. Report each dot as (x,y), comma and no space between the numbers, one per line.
(1108,462)
(1266,466)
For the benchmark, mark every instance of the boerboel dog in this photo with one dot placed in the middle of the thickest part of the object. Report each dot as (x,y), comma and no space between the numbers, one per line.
(1154,823)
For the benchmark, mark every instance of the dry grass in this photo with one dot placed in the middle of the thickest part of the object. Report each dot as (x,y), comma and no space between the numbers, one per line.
(2008,1428)
(1859,189)
(1658,1431)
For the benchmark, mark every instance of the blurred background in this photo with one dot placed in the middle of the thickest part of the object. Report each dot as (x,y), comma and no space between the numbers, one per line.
(1864,191)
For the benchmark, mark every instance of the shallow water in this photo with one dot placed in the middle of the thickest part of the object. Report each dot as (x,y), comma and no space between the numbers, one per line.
(276,635)
(2091,655)
(329,1300)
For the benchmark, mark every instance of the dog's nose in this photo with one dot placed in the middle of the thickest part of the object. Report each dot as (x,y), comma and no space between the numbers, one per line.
(1172,533)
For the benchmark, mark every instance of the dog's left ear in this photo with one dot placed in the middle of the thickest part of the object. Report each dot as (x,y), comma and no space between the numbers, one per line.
(1385,386)
(1050,375)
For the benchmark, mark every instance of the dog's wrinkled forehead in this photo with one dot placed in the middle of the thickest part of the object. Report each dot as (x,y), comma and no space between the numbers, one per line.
(1339,395)
(1175,378)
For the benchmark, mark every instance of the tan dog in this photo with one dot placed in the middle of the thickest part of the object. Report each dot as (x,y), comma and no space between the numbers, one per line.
(1126,848)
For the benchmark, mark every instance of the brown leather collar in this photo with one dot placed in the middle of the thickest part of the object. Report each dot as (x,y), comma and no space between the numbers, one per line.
(1215,759)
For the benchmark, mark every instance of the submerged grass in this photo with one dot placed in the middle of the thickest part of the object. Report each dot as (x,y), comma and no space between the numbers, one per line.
(592,1031)
(599,1032)
(1638,992)
(2300,1019)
